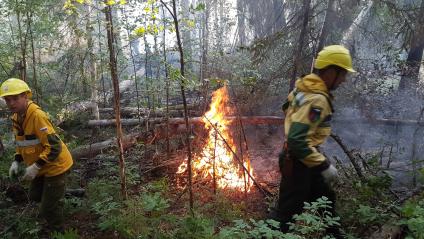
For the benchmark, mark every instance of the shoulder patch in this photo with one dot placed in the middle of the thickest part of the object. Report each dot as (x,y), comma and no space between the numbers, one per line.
(44,129)
(314,114)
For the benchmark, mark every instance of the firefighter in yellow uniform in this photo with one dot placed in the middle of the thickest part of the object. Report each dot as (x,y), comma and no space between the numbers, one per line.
(46,157)
(306,172)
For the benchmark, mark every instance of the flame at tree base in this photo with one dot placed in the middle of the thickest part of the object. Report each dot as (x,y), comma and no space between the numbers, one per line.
(217,159)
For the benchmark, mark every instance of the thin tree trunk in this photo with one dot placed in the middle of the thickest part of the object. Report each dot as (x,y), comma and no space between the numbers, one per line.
(180,48)
(280,20)
(186,35)
(23,47)
(168,153)
(155,59)
(414,158)
(328,20)
(114,74)
(411,71)
(146,55)
(302,39)
(132,61)
(101,61)
(92,66)
(221,27)
(1,148)
(241,22)
(204,74)
(348,36)
(34,62)
(149,100)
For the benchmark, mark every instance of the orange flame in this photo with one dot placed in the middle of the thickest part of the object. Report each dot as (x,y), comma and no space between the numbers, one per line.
(216,158)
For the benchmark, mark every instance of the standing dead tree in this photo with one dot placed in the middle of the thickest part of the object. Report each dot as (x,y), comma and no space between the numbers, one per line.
(113,71)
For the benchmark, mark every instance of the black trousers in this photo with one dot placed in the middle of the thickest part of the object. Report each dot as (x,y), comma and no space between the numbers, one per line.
(303,185)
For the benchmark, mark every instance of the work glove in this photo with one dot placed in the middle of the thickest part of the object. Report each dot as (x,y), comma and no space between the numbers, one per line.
(330,173)
(14,169)
(31,172)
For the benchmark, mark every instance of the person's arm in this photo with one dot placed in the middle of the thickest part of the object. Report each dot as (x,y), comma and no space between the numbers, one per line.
(304,125)
(50,141)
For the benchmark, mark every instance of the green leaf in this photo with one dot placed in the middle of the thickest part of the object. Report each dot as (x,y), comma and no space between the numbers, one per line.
(200,7)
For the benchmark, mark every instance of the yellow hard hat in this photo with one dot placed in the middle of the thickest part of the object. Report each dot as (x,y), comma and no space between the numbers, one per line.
(334,55)
(14,86)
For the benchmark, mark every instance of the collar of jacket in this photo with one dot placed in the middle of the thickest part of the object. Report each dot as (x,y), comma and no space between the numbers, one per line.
(31,108)
(312,83)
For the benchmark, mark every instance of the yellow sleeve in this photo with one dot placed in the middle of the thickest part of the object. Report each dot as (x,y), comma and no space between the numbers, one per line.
(49,140)
(305,121)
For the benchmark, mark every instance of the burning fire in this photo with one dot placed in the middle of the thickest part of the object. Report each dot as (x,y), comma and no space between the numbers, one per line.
(217,160)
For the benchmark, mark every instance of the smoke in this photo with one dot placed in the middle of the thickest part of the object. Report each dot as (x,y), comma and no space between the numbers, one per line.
(265,142)
(393,142)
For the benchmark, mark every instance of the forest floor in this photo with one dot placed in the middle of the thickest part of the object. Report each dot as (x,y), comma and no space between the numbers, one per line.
(157,204)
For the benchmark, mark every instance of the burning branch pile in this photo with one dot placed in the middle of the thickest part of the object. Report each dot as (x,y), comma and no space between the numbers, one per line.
(217,162)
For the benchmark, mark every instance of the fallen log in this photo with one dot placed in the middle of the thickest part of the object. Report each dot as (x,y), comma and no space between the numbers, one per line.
(93,149)
(391,122)
(255,120)
(135,109)
(164,164)
(132,111)
(126,122)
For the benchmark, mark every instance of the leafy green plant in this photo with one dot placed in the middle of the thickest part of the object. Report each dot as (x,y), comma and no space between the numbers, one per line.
(139,216)
(68,234)
(106,207)
(72,205)
(414,219)
(154,203)
(223,209)
(99,189)
(316,219)
(195,227)
(312,223)
(255,230)
(369,215)
(27,228)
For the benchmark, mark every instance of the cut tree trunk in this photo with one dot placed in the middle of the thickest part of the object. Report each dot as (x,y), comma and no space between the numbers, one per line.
(133,111)
(255,120)
(88,151)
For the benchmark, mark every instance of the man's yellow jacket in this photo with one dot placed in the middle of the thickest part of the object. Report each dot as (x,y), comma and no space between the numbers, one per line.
(308,113)
(37,142)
